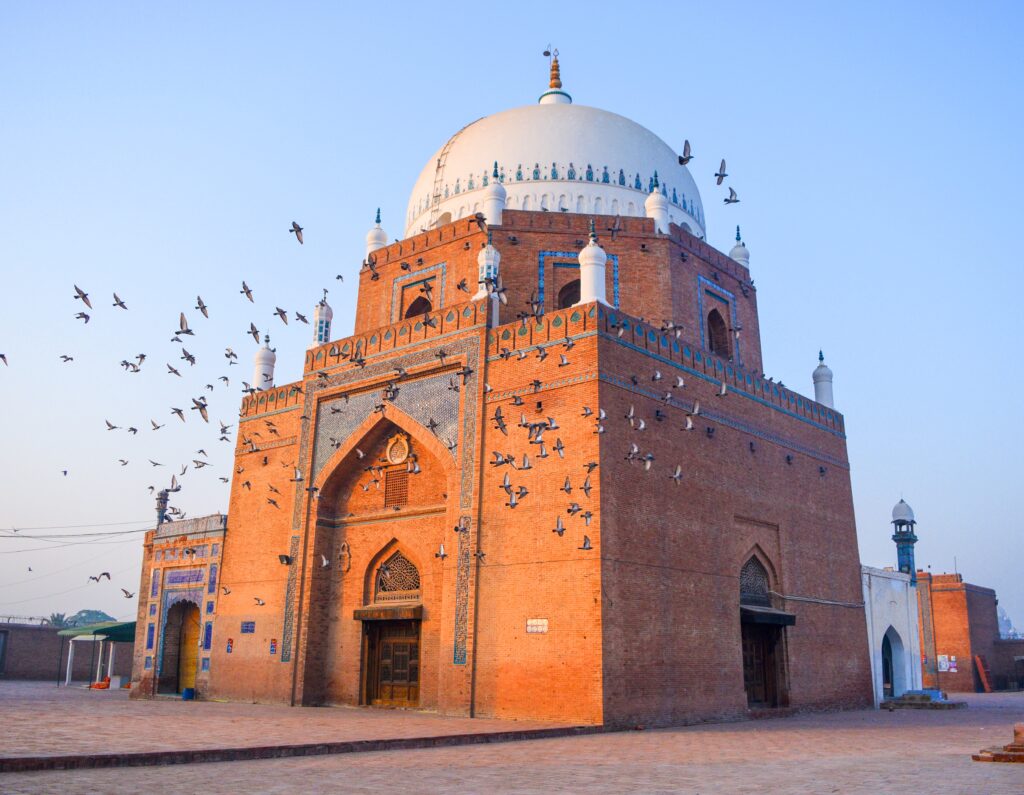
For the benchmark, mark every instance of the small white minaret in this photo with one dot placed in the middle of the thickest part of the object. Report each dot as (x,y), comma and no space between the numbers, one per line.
(263,366)
(592,262)
(322,317)
(823,383)
(488,262)
(657,207)
(376,238)
(494,199)
(739,251)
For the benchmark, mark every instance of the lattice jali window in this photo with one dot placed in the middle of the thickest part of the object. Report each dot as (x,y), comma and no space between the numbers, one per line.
(754,584)
(396,487)
(397,580)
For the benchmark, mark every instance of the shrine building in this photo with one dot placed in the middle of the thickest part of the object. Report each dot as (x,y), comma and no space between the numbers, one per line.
(544,476)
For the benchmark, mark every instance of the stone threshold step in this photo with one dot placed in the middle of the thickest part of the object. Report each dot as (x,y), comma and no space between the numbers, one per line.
(19,764)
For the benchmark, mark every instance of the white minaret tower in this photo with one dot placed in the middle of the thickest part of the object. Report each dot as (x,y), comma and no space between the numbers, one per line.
(823,383)
(322,317)
(376,238)
(494,199)
(739,251)
(263,366)
(592,262)
(657,207)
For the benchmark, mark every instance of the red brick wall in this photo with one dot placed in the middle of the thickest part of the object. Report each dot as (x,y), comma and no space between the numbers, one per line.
(965,624)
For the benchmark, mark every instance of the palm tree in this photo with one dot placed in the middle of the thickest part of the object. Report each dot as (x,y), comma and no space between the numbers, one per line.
(58,620)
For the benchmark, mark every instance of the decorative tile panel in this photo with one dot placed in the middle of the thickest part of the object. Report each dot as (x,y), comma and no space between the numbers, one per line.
(462,593)
(289,601)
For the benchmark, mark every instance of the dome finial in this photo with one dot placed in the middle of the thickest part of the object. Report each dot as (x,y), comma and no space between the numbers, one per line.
(593,232)
(738,238)
(556,74)
(377,219)
(655,187)
(821,357)
(495,172)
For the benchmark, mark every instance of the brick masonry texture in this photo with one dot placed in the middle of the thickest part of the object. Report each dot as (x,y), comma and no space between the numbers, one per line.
(959,620)
(644,626)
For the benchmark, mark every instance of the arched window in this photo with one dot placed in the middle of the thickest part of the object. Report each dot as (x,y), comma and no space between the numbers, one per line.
(442,219)
(754,584)
(418,307)
(569,295)
(397,580)
(718,335)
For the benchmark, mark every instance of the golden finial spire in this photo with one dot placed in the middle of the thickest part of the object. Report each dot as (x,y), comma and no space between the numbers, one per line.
(556,77)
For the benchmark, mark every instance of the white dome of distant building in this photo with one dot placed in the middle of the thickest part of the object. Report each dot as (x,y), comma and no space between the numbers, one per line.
(554,156)
(902,513)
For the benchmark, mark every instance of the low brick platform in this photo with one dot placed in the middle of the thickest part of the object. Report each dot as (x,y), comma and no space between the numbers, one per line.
(1014,752)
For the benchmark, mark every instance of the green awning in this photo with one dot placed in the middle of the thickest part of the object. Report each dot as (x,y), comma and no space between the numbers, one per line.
(120,631)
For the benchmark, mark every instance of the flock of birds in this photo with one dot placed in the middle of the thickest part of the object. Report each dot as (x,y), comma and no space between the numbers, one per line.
(183,360)
(720,175)
(535,430)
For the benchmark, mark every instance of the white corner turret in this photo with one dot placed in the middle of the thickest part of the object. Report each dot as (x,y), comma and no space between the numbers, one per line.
(739,251)
(656,206)
(592,262)
(376,238)
(488,261)
(263,366)
(823,383)
(322,317)
(494,199)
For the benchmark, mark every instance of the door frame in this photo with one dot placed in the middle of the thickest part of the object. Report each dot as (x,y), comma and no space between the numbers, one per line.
(370,664)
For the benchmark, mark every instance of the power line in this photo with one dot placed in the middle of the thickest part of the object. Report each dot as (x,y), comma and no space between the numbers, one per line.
(63,544)
(44,575)
(73,526)
(60,593)
(82,535)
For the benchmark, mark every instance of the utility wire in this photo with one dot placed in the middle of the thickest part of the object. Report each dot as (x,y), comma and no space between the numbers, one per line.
(72,526)
(81,535)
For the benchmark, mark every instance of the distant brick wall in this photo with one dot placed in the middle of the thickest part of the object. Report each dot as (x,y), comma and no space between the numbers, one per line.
(31,652)
(963,624)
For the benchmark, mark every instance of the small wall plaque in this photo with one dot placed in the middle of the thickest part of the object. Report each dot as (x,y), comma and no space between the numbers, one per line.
(536,626)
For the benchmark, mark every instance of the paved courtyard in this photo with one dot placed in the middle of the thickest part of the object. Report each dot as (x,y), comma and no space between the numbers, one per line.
(852,752)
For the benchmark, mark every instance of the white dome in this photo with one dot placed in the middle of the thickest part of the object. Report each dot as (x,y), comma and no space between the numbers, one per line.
(583,146)
(902,513)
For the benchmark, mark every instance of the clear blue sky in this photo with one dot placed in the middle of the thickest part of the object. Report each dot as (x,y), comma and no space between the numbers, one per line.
(162,152)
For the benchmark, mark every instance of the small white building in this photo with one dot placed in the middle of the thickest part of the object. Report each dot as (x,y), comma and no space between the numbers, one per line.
(890,605)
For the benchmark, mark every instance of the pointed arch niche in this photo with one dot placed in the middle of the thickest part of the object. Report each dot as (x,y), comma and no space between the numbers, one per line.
(417,479)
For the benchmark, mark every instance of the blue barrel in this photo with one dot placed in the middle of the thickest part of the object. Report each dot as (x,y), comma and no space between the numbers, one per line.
(188,694)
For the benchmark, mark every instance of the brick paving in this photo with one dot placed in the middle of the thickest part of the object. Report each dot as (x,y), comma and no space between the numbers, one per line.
(40,719)
(845,752)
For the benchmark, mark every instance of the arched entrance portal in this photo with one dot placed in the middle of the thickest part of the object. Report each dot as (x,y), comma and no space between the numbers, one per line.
(180,654)
(762,628)
(894,679)
(391,628)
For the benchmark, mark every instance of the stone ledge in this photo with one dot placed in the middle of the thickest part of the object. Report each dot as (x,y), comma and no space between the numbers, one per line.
(21,764)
